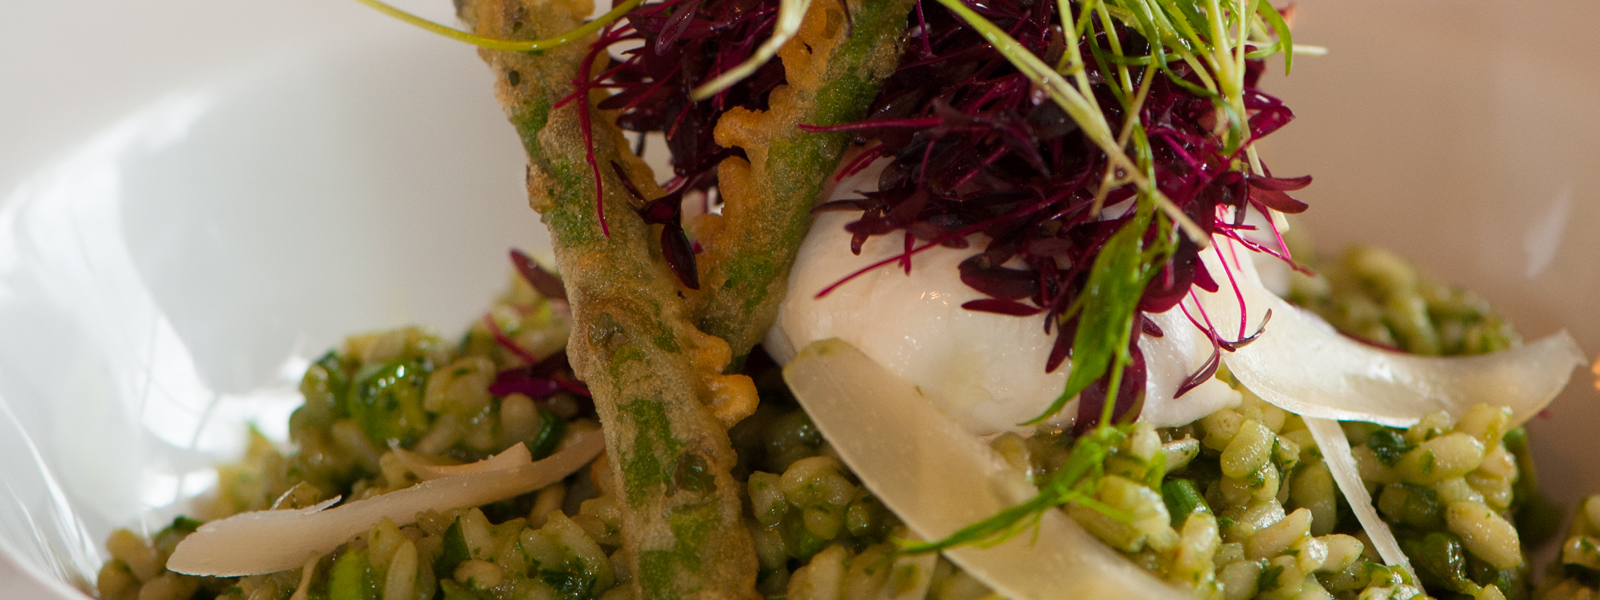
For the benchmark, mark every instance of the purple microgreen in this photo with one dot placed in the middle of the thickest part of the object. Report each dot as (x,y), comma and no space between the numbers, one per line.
(667,211)
(1003,307)
(873,125)
(544,282)
(1129,382)
(506,342)
(1204,373)
(790,15)
(972,139)
(1063,345)
(860,162)
(1277,200)
(679,254)
(516,382)
(1149,327)
(581,95)
(682,45)
(1243,341)
(627,183)
(1100,345)
(540,380)
(577,387)
(998,282)
(846,205)
(1280,184)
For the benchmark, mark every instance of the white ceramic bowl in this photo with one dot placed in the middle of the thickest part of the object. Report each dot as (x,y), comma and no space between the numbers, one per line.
(1463,135)
(195,197)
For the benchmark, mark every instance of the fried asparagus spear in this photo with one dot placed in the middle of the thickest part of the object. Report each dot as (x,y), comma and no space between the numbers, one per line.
(834,68)
(657,380)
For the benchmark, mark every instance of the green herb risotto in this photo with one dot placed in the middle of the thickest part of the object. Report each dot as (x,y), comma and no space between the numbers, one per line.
(1022,237)
(1234,506)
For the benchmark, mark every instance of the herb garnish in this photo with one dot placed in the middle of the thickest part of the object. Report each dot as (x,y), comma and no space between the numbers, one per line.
(1098,146)
(1048,127)
(1075,481)
(1081,174)
(973,146)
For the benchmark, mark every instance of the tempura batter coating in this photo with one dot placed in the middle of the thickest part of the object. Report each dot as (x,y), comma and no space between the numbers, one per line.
(657,380)
(834,68)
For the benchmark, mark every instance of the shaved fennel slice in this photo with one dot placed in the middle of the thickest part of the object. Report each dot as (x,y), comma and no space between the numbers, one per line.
(516,455)
(1335,449)
(269,541)
(938,478)
(1302,365)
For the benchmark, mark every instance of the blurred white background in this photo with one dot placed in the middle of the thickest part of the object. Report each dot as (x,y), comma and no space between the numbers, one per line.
(195,198)
(1464,135)
(195,194)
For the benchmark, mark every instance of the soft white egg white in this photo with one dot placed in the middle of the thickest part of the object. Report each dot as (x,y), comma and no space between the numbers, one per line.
(985,370)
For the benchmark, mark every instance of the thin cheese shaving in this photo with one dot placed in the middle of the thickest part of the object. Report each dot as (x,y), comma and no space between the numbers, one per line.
(939,478)
(270,541)
(1335,449)
(1302,365)
(516,455)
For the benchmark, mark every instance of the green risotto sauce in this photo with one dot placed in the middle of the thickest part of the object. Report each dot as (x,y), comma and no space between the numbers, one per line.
(1237,505)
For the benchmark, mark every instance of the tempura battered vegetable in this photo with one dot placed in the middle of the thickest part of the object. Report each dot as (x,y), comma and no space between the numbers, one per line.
(656,380)
(834,67)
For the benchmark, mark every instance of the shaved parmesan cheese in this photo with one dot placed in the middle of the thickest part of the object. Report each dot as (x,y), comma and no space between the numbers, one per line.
(269,541)
(939,478)
(516,455)
(1302,365)
(1335,449)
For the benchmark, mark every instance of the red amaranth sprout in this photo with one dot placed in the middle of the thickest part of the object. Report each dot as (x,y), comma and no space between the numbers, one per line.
(506,342)
(680,44)
(541,380)
(975,147)
(544,282)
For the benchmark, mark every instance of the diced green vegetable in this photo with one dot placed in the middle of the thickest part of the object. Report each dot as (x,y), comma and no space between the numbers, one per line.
(1439,560)
(1412,505)
(1183,499)
(386,400)
(570,583)
(551,428)
(1537,517)
(324,387)
(454,552)
(351,578)
(184,524)
(1389,445)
